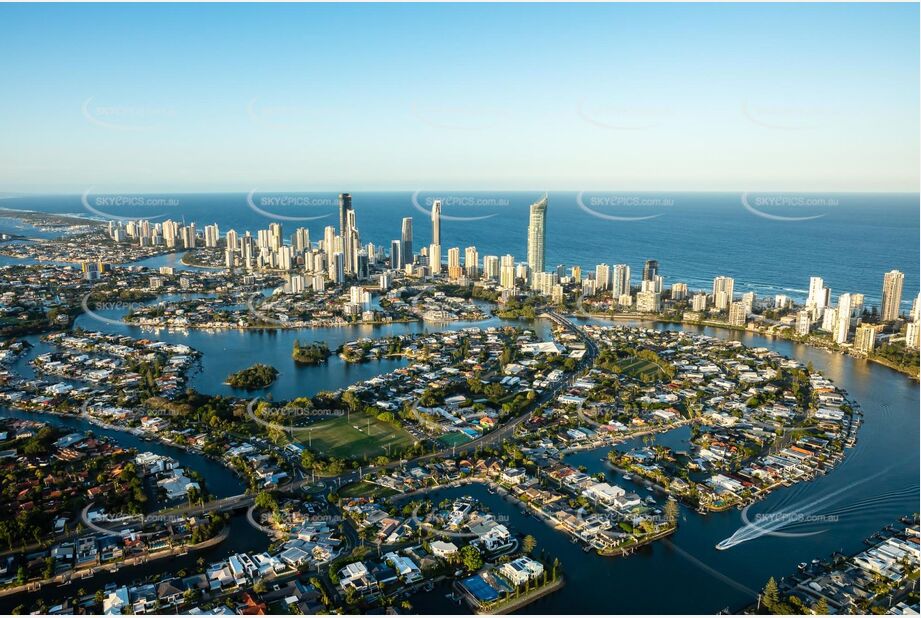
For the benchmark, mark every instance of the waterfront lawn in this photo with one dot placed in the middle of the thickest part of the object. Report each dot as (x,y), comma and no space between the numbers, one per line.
(353,438)
(363,489)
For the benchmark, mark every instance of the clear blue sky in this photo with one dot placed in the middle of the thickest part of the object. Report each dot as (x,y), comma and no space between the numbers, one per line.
(329,97)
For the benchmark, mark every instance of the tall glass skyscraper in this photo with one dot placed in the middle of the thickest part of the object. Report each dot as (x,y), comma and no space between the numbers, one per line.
(345,205)
(436,222)
(650,270)
(537,235)
(406,257)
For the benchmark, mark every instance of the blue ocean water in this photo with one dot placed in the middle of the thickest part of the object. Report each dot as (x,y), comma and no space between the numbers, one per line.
(849,239)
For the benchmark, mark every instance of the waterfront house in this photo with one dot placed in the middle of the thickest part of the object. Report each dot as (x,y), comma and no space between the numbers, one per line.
(520,570)
(116,602)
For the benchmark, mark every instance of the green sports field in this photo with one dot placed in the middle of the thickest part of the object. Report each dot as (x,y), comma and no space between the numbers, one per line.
(641,369)
(455,438)
(358,436)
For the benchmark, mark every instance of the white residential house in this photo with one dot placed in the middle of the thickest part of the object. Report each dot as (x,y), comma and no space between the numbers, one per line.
(443,549)
(521,570)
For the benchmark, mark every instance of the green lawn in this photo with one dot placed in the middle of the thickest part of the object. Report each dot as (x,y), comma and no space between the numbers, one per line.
(356,437)
(455,438)
(365,490)
(641,369)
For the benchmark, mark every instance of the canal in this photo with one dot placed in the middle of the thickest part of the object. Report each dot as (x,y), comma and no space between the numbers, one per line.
(875,484)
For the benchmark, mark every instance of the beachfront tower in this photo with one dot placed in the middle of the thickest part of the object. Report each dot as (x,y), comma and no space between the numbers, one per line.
(537,235)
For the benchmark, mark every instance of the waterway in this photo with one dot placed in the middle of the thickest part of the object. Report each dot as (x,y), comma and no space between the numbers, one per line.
(227,351)
(220,481)
(876,483)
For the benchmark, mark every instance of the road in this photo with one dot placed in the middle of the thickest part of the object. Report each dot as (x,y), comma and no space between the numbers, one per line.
(499,435)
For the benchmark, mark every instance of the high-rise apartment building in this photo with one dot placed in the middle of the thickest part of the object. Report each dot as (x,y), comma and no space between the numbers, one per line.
(345,206)
(722,292)
(865,338)
(436,222)
(434,256)
(843,319)
(491,267)
(892,295)
(507,272)
(471,263)
(537,234)
(679,291)
(621,280)
(602,277)
(454,264)
(650,270)
(406,236)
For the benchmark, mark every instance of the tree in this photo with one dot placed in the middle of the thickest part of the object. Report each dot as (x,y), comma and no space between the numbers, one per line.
(671,512)
(770,595)
(471,558)
(265,500)
(820,608)
(529,544)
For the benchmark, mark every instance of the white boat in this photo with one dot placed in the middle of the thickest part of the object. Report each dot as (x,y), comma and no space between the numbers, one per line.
(627,477)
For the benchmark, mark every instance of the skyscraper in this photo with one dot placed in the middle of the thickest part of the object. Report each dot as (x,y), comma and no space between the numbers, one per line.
(350,242)
(722,292)
(650,270)
(406,255)
(436,222)
(454,264)
(892,295)
(843,319)
(491,267)
(602,277)
(471,263)
(395,261)
(507,271)
(679,291)
(621,280)
(435,259)
(865,338)
(738,314)
(819,297)
(337,267)
(345,205)
(536,235)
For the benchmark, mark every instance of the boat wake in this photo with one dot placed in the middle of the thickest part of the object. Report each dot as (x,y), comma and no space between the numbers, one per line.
(802,512)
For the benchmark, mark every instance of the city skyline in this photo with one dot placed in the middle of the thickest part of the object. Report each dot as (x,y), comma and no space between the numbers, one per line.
(341,256)
(429,308)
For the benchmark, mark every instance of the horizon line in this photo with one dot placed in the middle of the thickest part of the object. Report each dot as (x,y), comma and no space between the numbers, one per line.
(26,194)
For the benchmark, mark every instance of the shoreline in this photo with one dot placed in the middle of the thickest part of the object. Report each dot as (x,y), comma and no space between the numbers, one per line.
(271,326)
(621,317)
(522,601)
(69,577)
